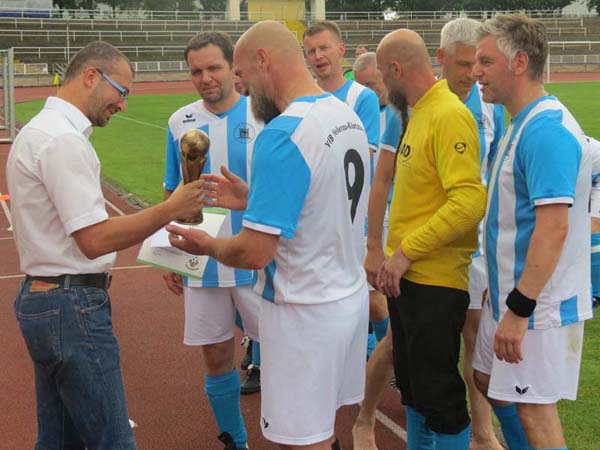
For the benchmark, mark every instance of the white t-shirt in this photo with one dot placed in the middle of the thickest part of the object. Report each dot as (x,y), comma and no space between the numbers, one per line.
(53,177)
(310,185)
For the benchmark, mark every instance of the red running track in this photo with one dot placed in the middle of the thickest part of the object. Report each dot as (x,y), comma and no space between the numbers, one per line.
(164,379)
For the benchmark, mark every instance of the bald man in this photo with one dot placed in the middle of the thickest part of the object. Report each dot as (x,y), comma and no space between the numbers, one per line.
(310,163)
(437,203)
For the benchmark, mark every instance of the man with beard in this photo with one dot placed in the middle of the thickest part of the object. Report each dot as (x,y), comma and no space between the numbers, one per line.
(437,203)
(66,243)
(456,56)
(211,303)
(310,163)
(529,343)
(380,366)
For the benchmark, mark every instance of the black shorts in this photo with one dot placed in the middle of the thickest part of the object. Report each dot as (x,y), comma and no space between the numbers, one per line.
(426,323)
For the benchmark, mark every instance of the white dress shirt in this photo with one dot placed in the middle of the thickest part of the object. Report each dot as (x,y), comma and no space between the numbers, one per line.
(53,177)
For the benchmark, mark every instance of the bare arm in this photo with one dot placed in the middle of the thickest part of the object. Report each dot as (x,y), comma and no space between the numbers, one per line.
(380,189)
(545,248)
(117,233)
(249,249)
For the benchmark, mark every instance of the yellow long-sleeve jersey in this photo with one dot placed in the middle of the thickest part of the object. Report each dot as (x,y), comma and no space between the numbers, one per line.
(439,197)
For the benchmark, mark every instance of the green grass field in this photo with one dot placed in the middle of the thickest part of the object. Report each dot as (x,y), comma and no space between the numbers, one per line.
(132,150)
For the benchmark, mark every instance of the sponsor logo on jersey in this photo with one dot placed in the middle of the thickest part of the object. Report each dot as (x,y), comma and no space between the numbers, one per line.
(189,118)
(460,147)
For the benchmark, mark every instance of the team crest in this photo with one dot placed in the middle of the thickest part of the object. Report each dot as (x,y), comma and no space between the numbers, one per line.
(244,132)
(192,264)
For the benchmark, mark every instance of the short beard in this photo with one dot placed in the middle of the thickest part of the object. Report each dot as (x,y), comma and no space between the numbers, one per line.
(397,100)
(263,107)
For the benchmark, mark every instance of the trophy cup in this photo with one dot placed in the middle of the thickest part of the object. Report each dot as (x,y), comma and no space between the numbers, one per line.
(194,147)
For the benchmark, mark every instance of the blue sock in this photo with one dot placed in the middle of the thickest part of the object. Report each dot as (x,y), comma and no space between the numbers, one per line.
(223,393)
(419,436)
(511,427)
(371,343)
(238,320)
(255,353)
(458,441)
(380,328)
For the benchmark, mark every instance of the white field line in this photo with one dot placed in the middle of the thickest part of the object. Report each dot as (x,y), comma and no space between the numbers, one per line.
(121,116)
(391,425)
(6,212)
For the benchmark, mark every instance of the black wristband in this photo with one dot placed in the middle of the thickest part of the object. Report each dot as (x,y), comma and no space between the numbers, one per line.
(519,304)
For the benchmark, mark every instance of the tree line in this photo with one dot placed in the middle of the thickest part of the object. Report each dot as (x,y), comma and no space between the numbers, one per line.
(333,5)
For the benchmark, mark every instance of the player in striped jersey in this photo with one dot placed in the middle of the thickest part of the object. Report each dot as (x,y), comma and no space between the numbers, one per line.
(595,212)
(456,56)
(324,52)
(310,163)
(529,343)
(210,303)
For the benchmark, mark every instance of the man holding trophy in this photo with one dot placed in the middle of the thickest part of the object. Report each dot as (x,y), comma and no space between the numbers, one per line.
(223,120)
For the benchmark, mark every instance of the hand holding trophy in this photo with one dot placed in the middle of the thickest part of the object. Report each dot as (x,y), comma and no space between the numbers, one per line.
(194,148)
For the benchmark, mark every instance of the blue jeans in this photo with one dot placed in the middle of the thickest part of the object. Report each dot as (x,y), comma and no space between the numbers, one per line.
(79,389)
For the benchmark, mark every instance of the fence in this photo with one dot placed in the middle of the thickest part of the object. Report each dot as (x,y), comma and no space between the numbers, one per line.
(7,111)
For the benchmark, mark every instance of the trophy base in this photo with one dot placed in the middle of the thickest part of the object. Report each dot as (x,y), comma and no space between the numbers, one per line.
(196,220)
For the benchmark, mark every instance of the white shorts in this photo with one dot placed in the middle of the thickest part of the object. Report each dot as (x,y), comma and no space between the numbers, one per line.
(313,360)
(477,281)
(210,313)
(549,370)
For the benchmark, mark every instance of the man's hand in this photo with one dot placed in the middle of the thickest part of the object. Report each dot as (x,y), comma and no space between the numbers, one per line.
(196,242)
(509,336)
(390,273)
(227,191)
(373,262)
(187,200)
(174,282)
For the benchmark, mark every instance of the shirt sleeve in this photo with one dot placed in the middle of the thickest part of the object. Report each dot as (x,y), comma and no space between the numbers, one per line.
(594,148)
(70,157)
(172,167)
(549,157)
(280,178)
(457,157)
(367,109)
(393,130)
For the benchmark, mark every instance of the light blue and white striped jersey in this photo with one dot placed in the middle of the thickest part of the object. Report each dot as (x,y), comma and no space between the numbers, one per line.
(543,159)
(391,129)
(365,104)
(310,185)
(232,136)
(595,213)
(390,136)
(490,125)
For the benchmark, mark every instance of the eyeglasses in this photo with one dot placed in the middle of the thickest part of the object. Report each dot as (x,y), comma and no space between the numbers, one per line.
(123,93)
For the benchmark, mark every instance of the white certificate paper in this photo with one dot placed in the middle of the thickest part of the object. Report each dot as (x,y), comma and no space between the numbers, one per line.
(158,252)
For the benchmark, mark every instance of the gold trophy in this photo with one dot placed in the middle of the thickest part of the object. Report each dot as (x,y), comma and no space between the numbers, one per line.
(194,147)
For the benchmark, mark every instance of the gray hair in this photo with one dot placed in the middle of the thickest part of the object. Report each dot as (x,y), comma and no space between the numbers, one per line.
(459,31)
(516,33)
(97,54)
(364,61)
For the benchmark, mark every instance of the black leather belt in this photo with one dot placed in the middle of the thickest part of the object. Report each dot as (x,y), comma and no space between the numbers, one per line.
(98,280)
